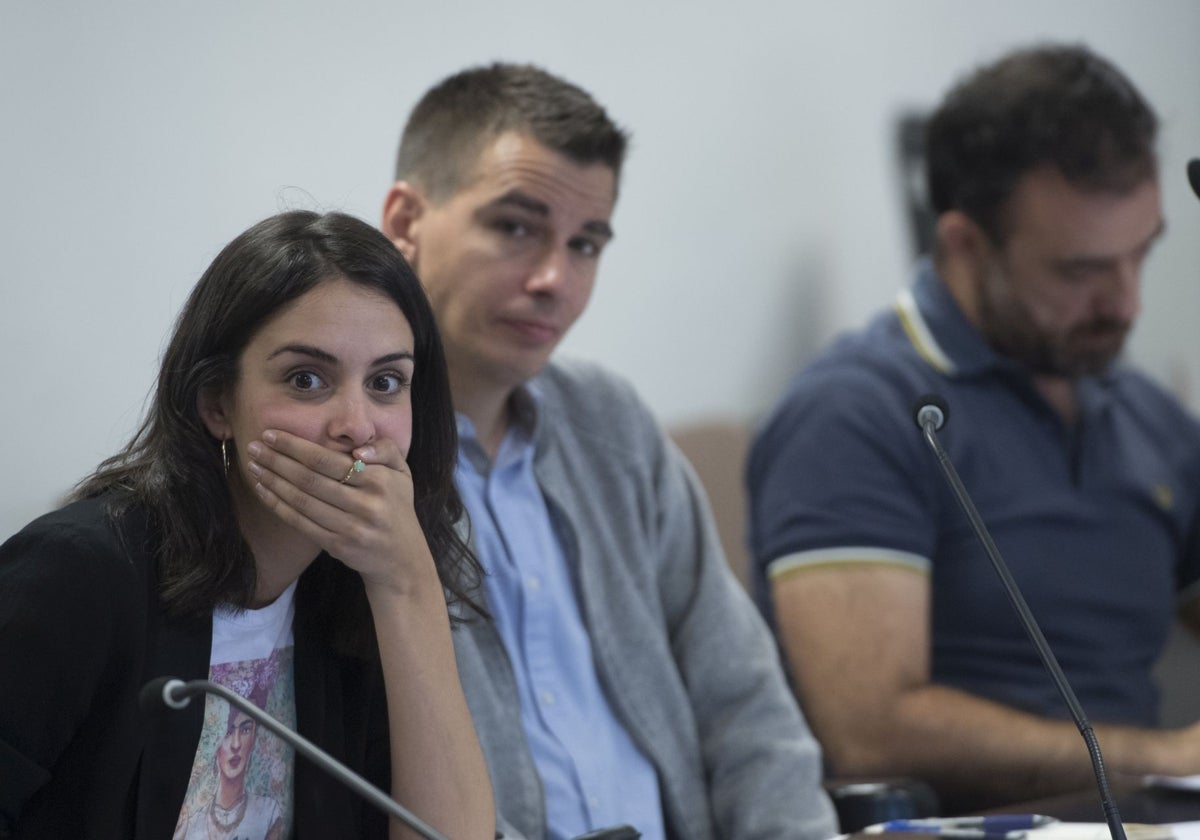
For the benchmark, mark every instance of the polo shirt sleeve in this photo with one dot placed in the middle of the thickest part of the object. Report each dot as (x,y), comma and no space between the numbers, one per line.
(840,474)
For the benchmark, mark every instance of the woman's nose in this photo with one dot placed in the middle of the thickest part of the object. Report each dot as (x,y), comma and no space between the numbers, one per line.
(351,420)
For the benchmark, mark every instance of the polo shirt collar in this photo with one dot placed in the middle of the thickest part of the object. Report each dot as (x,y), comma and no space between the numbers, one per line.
(938,329)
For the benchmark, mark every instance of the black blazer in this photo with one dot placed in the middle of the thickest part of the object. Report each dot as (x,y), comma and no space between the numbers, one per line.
(82,629)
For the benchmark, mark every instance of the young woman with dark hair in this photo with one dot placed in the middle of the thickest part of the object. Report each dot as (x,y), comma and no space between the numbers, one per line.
(283,523)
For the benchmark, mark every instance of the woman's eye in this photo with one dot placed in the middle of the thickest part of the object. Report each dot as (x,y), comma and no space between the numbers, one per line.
(306,380)
(389,383)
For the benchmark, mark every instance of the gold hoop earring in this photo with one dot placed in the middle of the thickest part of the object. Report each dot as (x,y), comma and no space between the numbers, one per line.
(225,455)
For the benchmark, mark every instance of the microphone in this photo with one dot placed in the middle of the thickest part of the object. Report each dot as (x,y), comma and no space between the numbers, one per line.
(931,413)
(931,409)
(177,694)
(1193,170)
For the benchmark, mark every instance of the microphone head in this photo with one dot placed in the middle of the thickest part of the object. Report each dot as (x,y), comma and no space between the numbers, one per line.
(930,408)
(162,692)
(1194,175)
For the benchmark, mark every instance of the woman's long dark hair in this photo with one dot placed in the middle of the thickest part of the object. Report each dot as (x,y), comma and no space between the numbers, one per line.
(173,467)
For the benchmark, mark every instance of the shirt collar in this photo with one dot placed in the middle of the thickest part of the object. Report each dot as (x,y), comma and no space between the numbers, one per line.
(938,329)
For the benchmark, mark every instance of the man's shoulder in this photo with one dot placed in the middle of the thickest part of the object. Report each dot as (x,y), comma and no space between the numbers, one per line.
(873,369)
(588,397)
(856,394)
(1142,397)
(578,381)
(1134,383)
(596,415)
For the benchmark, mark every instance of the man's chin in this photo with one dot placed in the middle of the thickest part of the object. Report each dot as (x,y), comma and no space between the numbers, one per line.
(1080,364)
(516,371)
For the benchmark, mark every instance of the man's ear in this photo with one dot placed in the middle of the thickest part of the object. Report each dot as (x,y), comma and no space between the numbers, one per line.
(210,404)
(959,238)
(402,212)
(964,256)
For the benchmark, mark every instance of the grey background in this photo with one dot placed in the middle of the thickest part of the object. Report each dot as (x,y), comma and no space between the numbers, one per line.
(760,212)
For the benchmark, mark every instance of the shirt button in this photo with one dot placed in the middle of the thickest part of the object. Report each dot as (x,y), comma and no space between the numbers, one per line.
(593,801)
(548,698)
(534,583)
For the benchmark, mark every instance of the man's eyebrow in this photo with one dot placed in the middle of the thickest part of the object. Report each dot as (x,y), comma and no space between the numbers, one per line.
(599,228)
(1104,260)
(1154,236)
(329,358)
(526,202)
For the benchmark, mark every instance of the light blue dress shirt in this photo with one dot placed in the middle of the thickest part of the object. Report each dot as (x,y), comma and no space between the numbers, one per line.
(593,776)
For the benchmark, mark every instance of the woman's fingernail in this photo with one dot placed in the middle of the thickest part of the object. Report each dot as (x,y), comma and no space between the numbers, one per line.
(254,467)
(270,436)
(254,448)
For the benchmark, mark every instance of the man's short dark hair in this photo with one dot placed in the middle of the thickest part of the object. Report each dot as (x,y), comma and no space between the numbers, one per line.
(456,119)
(1053,105)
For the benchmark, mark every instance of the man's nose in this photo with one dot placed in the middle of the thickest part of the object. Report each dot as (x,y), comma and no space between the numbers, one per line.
(1121,298)
(550,271)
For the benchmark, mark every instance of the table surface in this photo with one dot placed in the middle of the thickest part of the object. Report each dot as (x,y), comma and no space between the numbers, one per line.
(1136,803)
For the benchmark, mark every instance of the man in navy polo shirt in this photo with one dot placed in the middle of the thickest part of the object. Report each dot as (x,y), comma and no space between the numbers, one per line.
(902,646)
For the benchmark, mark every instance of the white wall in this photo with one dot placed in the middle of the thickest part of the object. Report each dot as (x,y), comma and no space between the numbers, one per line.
(759,213)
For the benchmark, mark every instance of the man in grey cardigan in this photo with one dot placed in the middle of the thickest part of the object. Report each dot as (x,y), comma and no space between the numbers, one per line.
(625,677)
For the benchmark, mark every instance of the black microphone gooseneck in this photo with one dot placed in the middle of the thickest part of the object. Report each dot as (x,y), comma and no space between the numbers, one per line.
(931,413)
(176,694)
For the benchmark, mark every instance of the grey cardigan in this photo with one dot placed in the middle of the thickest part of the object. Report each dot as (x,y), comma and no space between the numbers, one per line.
(682,654)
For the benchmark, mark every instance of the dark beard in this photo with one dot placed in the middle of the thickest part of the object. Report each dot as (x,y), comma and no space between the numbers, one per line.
(1009,328)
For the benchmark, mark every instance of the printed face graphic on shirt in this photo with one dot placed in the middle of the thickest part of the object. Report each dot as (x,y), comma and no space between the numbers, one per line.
(233,753)
(242,779)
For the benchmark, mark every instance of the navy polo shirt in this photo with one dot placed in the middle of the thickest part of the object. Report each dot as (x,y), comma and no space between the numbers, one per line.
(1097,521)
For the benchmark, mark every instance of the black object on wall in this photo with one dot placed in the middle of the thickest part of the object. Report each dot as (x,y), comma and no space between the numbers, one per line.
(914,192)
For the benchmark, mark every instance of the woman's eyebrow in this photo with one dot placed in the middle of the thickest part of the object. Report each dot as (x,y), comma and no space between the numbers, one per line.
(329,358)
(305,350)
